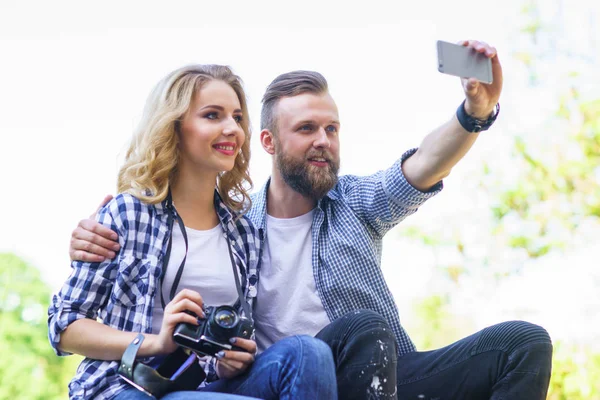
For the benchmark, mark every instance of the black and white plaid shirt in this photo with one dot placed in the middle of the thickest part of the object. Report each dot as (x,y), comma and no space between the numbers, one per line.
(121,292)
(347,231)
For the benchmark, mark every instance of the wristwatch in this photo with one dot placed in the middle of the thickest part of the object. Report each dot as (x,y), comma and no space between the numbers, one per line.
(475,125)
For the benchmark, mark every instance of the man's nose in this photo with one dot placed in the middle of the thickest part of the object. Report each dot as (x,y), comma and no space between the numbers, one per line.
(322,140)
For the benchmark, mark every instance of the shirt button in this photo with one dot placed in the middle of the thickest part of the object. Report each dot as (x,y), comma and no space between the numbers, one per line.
(252,291)
(253,279)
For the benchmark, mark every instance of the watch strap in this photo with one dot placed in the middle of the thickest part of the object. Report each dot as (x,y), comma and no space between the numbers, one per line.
(473,125)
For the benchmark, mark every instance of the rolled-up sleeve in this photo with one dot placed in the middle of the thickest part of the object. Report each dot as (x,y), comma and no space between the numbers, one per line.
(87,289)
(384,199)
(400,191)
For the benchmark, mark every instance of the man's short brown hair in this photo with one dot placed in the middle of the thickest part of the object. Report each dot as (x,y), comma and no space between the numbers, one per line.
(287,85)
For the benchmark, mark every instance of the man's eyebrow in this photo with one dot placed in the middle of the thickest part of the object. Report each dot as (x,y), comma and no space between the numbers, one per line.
(310,121)
(304,121)
(220,108)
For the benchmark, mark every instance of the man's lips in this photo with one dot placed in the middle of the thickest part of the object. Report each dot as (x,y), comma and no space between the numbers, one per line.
(227,148)
(318,161)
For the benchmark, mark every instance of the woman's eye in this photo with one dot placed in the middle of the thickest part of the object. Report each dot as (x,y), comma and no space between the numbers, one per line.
(238,118)
(211,115)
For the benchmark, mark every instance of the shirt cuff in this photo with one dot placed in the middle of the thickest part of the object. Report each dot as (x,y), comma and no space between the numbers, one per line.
(401,191)
(59,318)
(210,368)
(56,325)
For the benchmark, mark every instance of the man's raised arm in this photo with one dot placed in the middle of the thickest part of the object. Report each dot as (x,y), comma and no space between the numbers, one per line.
(92,241)
(443,148)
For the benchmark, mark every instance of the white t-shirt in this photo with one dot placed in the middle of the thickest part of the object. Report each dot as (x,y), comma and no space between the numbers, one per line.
(287,302)
(207,270)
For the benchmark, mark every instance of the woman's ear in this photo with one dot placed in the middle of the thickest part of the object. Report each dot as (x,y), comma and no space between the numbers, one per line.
(267,139)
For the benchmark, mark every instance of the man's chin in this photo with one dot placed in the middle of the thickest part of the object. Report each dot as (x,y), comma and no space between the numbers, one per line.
(322,185)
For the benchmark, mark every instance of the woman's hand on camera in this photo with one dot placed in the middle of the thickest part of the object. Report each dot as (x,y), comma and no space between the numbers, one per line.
(233,363)
(175,313)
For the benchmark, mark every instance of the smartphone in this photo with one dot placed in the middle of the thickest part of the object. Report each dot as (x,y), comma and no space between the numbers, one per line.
(457,60)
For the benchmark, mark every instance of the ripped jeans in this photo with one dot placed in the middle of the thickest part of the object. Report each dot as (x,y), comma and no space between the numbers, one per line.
(510,360)
(364,351)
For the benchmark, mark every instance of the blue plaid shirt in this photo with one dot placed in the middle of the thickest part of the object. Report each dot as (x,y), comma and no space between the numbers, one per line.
(121,292)
(347,230)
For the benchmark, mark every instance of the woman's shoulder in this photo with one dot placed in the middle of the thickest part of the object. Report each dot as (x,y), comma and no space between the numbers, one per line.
(127,207)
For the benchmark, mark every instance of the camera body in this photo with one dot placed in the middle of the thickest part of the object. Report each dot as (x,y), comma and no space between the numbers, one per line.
(212,333)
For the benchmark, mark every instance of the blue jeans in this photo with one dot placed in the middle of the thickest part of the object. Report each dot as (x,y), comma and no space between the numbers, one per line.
(134,394)
(511,360)
(297,367)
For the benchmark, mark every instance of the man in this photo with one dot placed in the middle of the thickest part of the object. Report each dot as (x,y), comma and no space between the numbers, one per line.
(321,257)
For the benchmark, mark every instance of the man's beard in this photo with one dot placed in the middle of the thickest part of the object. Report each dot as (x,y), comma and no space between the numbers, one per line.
(308,180)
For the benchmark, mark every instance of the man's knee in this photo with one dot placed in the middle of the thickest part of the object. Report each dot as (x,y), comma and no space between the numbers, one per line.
(512,335)
(364,332)
(365,352)
(366,320)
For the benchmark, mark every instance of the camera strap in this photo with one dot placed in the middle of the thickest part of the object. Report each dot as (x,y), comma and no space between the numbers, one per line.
(176,372)
(172,215)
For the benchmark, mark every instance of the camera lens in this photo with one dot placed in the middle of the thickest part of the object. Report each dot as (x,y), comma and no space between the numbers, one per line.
(226,318)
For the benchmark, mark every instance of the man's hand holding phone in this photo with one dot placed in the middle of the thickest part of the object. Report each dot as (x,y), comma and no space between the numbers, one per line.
(478,66)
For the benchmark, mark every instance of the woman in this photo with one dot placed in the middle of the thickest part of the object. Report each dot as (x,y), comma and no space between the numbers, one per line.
(193,137)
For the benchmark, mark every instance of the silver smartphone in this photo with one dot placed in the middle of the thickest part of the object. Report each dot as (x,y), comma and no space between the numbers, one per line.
(457,60)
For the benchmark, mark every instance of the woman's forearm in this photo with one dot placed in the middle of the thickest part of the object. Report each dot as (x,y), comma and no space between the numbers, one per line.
(92,339)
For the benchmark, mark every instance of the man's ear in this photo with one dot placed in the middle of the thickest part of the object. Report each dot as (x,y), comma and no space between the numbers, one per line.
(267,139)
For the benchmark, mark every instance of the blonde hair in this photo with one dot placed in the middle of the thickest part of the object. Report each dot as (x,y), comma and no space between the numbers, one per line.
(153,155)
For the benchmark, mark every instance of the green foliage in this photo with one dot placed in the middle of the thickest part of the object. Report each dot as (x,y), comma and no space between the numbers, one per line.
(435,325)
(575,373)
(30,369)
(558,188)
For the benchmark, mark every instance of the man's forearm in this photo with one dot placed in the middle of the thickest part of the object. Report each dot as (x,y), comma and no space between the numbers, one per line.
(439,152)
(447,145)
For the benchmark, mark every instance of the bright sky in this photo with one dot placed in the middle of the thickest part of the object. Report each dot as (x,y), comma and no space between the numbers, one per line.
(74,77)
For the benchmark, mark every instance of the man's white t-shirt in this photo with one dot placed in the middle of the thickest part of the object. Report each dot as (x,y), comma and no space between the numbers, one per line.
(287,302)
(207,270)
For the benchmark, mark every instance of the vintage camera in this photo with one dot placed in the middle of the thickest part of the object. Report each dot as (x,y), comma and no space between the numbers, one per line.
(212,334)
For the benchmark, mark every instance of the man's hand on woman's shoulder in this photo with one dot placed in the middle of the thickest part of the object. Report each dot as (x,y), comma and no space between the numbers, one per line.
(92,241)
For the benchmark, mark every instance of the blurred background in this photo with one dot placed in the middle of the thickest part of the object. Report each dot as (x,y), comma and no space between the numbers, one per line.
(514,234)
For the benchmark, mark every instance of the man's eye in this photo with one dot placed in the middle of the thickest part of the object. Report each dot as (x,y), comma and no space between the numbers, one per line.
(305,128)
(332,128)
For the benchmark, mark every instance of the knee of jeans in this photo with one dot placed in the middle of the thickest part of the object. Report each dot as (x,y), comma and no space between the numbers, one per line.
(512,335)
(304,346)
(366,319)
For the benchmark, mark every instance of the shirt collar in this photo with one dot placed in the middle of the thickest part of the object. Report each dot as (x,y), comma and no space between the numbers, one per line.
(226,216)
(258,213)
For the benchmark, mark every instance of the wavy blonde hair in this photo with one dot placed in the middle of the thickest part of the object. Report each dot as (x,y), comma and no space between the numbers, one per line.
(153,155)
